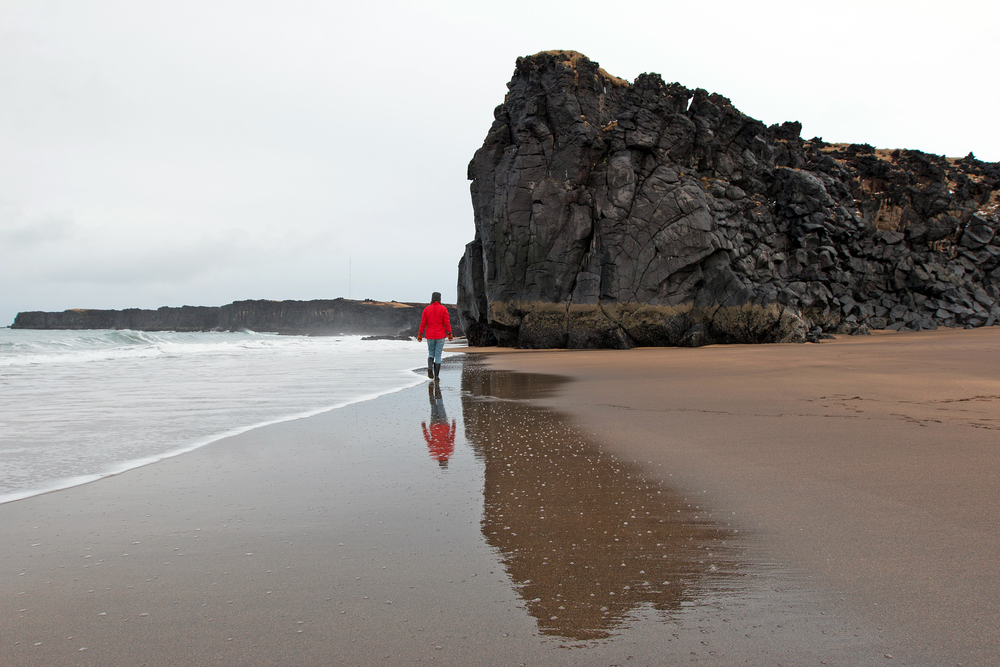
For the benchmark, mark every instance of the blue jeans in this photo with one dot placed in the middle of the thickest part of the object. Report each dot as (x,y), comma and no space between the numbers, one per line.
(435,346)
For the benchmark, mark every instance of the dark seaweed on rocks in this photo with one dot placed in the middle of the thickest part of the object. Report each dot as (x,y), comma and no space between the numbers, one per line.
(611,214)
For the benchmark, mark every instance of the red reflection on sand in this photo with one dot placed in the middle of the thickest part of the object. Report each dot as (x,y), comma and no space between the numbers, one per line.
(440,435)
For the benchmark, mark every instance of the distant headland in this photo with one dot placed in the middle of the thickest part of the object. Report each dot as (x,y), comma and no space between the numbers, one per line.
(315,318)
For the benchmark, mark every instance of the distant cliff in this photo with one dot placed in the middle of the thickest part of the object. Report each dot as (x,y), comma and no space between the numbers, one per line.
(321,317)
(615,214)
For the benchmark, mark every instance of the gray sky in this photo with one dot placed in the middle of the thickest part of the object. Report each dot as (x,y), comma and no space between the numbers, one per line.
(171,152)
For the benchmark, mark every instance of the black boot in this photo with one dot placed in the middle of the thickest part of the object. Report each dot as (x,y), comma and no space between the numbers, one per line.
(437,371)
(430,367)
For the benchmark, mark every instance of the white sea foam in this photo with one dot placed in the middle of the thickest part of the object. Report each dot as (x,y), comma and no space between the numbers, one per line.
(76,406)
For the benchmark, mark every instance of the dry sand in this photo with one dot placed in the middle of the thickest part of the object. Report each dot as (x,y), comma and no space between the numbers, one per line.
(794,504)
(867,466)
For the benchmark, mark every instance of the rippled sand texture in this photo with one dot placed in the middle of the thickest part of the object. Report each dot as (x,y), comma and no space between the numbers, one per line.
(866,469)
(460,526)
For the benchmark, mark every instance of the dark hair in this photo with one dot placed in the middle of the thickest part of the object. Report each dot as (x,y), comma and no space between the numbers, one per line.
(436,297)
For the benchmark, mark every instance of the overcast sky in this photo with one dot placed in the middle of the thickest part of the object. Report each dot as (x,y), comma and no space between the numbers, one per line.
(169,153)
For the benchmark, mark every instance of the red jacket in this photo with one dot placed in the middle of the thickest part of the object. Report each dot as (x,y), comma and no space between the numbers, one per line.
(436,322)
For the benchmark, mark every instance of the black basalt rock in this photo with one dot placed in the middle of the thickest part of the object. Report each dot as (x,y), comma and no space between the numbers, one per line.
(616,214)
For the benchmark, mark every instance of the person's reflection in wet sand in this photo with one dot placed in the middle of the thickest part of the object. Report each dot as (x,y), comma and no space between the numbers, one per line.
(587,541)
(440,435)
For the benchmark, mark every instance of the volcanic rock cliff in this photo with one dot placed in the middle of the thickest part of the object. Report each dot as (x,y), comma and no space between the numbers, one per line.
(319,317)
(615,214)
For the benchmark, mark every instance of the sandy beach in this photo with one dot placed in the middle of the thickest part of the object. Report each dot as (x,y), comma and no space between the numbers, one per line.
(781,504)
(867,466)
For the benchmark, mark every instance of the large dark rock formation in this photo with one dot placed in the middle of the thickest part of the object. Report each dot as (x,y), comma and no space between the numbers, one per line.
(611,214)
(322,317)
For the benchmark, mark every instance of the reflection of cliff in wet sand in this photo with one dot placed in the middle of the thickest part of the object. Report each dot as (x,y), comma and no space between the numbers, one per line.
(584,537)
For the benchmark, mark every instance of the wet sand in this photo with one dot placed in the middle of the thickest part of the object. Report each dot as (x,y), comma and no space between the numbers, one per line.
(866,468)
(368,536)
(812,504)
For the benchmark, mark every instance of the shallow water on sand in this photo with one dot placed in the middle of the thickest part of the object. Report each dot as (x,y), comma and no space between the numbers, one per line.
(78,405)
(451,523)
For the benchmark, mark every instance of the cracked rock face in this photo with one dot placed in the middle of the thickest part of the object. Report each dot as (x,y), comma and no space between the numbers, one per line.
(615,214)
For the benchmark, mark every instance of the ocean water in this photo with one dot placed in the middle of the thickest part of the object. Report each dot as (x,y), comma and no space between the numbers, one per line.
(79,405)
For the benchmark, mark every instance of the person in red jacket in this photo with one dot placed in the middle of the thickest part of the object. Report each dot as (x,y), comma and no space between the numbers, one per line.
(434,325)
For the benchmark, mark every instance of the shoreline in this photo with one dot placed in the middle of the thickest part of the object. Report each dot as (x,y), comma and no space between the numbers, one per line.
(121,467)
(344,537)
(340,536)
(58,439)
